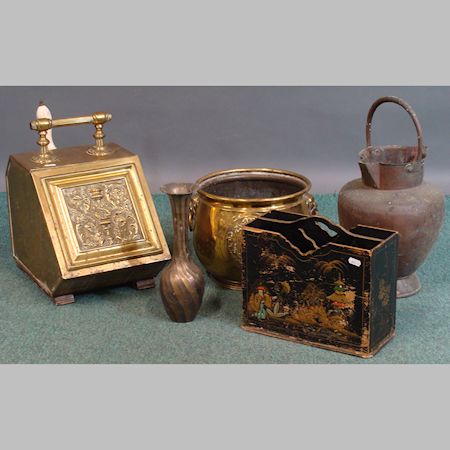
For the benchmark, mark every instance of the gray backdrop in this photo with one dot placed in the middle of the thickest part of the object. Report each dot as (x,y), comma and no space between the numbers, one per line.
(182,133)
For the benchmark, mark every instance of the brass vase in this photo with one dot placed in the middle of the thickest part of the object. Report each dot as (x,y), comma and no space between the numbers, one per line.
(182,283)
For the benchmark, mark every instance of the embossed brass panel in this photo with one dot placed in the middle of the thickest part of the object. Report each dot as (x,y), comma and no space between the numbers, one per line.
(102,214)
(82,218)
(98,216)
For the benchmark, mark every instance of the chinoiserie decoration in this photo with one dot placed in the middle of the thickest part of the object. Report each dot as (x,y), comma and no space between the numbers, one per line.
(392,194)
(182,283)
(82,217)
(223,202)
(311,281)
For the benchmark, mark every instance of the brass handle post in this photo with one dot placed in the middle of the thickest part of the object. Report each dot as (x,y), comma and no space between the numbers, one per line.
(45,157)
(98,119)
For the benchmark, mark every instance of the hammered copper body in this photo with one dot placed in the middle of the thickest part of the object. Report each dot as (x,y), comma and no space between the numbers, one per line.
(391,194)
(182,283)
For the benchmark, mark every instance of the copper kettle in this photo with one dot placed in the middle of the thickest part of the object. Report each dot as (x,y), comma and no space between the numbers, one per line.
(391,194)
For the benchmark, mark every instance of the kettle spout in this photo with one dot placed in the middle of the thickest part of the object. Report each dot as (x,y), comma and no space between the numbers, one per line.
(371,174)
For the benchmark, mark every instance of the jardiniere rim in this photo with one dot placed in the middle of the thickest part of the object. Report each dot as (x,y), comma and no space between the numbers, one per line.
(202,183)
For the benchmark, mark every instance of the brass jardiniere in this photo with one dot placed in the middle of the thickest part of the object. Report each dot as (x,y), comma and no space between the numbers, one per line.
(225,201)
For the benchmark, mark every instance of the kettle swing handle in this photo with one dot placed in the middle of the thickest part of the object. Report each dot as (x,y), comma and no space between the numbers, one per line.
(98,119)
(408,108)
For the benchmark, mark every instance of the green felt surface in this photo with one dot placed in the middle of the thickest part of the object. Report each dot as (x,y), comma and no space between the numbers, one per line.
(121,325)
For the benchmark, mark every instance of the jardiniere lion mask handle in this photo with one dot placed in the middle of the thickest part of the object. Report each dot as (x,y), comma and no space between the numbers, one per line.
(408,108)
(193,204)
(311,204)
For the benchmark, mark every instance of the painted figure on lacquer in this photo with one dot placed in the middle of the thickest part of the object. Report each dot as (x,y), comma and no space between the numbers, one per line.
(258,298)
(316,293)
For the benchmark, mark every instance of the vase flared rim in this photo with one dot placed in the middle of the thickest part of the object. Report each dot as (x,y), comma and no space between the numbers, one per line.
(177,188)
